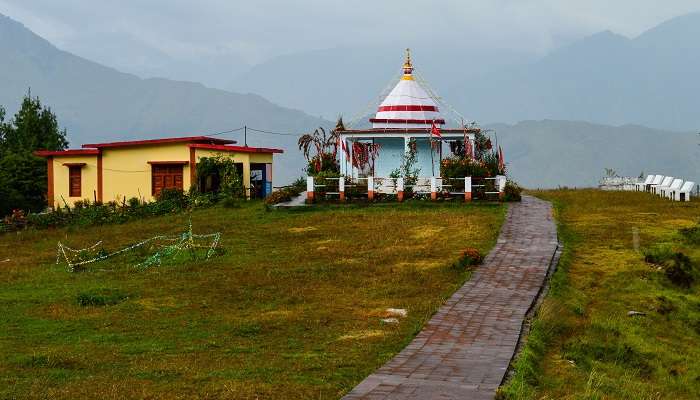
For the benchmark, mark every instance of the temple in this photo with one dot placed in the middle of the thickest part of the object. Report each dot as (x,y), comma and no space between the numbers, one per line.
(406,115)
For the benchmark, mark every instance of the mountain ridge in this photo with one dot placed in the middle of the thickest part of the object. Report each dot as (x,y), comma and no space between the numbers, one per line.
(98,103)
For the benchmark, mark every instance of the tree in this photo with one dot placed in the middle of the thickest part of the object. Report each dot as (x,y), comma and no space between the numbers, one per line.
(22,175)
(325,146)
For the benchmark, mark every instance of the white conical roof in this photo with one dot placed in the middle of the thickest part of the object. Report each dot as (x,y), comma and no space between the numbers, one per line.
(408,105)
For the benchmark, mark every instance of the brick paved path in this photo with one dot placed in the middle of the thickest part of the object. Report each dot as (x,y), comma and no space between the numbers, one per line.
(464,350)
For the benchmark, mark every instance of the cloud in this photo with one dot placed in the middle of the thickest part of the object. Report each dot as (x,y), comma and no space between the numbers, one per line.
(257,30)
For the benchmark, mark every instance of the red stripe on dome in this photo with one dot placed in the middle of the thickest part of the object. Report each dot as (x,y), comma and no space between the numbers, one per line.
(408,108)
(406,121)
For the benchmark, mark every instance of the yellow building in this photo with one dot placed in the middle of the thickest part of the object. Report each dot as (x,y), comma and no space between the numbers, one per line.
(118,171)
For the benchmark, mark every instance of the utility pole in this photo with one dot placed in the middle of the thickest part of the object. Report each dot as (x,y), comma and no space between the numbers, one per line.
(245,135)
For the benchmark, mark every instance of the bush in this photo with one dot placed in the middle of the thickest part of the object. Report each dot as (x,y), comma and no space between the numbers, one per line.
(325,162)
(680,270)
(134,202)
(658,254)
(455,167)
(15,221)
(175,196)
(469,257)
(101,297)
(85,213)
(512,191)
(287,193)
(691,235)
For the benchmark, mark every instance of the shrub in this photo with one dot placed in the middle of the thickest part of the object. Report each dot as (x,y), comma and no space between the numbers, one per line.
(512,191)
(658,254)
(680,270)
(287,193)
(692,234)
(469,257)
(176,196)
(101,297)
(455,167)
(134,202)
(223,170)
(280,196)
(15,221)
(325,162)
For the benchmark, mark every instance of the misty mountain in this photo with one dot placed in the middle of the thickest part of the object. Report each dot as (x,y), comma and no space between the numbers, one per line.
(96,103)
(349,80)
(572,153)
(213,69)
(606,78)
(650,80)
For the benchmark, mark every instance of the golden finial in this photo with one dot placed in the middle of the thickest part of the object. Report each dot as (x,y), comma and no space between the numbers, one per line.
(407,66)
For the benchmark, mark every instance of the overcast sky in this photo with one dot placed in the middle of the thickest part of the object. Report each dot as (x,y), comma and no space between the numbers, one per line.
(140,34)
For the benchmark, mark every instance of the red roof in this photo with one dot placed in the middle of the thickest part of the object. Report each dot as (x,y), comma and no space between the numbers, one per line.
(187,139)
(69,152)
(237,149)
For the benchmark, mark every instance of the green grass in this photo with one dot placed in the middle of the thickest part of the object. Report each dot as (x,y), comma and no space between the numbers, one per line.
(291,309)
(583,345)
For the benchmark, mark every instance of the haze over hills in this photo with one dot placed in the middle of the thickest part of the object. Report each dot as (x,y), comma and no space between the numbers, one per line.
(96,103)
(347,80)
(551,153)
(606,78)
(650,80)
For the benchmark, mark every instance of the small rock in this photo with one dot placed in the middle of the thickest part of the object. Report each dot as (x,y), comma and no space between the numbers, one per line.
(397,312)
(390,320)
(634,313)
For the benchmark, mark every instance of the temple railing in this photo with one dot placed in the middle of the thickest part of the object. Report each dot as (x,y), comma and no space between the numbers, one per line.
(374,188)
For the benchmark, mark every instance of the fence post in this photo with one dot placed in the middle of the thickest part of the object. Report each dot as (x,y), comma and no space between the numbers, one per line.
(501,187)
(370,188)
(433,188)
(341,188)
(399,189)
(467,188)
(310,189)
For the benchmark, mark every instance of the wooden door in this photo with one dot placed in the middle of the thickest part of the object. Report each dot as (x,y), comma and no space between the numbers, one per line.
(166,177)
(74,181)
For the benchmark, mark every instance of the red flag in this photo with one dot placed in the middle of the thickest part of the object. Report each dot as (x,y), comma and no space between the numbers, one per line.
(435,131)
(501,163)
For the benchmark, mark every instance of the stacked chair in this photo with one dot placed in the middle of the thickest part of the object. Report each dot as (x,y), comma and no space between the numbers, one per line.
(667,187)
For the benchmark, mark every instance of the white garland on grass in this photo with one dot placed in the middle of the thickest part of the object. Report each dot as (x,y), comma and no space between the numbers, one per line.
(185,241)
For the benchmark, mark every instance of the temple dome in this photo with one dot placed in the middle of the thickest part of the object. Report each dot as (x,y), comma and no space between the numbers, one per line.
(408,105)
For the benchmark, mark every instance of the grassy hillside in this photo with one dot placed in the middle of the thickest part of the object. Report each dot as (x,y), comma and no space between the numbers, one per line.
(292,308)
(584,345)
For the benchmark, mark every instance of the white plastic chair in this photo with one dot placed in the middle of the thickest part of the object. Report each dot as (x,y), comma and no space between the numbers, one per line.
(683,194)
(667,181)
(642,186)
(667,191)
(657,181)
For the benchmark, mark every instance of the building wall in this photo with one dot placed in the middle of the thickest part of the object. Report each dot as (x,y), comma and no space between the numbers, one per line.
(423,158)
(390,155)
(127,173)
(88,179)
